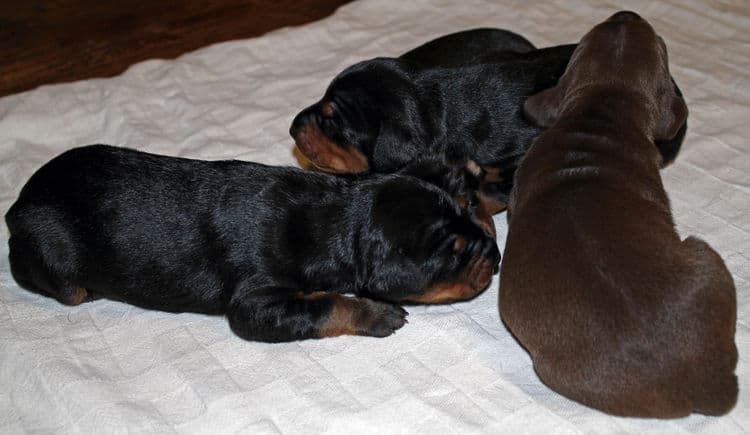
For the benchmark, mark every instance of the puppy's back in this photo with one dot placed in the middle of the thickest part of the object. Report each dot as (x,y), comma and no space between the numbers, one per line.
(103,218)
(665,349)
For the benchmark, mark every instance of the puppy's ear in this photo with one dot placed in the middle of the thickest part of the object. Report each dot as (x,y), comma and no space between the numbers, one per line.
(395,147)
(542,108)
(671,119)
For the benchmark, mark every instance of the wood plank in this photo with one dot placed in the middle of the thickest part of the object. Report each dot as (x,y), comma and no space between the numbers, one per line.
(52,41)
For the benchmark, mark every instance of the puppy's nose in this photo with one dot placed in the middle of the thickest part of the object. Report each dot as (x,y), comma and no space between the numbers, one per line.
(495,255)
(489,250)
(300,121)
(487,226)
(625,16)
(296,126)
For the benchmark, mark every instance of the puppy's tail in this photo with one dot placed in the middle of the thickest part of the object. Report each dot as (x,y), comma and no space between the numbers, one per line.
(713,384)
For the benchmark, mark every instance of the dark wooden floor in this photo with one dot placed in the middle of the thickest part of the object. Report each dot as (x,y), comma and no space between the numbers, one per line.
(50,41)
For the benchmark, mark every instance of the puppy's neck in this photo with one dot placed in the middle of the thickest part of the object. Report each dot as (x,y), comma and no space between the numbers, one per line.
(612,111)
(607,121)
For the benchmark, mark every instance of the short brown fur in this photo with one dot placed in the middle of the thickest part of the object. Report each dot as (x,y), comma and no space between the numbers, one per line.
(616,311)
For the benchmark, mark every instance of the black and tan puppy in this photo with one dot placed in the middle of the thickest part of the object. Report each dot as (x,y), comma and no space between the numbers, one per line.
(468,47)
(383,113)
(615,310)
(275,249)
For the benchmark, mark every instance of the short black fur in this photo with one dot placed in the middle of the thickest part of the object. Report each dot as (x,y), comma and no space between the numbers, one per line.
(273,248)
(462,105)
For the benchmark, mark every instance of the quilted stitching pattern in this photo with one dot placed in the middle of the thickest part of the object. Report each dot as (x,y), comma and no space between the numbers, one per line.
(108,367)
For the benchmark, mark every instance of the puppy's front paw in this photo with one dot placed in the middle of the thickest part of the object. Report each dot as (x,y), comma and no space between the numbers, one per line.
(361,316)
(381,319)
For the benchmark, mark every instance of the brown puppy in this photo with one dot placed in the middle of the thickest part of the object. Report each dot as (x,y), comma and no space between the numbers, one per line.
(616,311)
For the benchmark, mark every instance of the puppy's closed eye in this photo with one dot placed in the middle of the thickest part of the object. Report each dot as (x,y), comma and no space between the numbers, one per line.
(459,244)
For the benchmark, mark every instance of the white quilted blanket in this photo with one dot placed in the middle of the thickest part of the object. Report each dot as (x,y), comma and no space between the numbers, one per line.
(108,367)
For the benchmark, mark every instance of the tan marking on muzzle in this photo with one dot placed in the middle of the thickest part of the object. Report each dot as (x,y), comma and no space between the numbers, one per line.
(326,155)
(474,279)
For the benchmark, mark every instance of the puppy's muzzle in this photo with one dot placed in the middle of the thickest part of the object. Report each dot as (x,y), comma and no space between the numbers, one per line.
(479,261)
(320,150)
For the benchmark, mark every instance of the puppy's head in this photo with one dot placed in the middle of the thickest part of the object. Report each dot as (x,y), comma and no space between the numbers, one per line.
(622,53)
(369,118)
(424,247)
